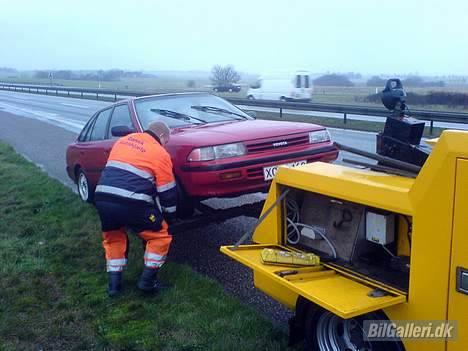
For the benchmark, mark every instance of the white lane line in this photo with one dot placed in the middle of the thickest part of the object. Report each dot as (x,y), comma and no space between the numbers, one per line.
(52,118)
(73,105)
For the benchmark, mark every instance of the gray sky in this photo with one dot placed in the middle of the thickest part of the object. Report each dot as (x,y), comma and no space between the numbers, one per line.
(368,36)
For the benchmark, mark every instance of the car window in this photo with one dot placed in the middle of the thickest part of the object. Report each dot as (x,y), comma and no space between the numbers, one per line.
(120,117)
(306,82)
(100,126)
(84,135)
(147,109)
(298,81)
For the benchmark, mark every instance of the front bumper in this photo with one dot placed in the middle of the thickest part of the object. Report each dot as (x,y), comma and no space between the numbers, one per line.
(206,180)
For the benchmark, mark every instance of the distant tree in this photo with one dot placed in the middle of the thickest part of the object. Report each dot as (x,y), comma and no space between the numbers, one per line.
(64,74)
(376,81)
(191,84)
(224,75)
(8,70)
(334,80)
(354,75)
(41,74)
(413,81)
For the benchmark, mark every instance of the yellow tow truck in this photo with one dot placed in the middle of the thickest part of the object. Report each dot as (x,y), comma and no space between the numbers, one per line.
(392,247)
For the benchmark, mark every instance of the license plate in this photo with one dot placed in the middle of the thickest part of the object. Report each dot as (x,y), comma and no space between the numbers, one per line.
(270,172)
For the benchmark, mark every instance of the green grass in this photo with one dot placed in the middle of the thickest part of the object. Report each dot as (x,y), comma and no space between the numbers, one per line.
(53,283)
(352,124)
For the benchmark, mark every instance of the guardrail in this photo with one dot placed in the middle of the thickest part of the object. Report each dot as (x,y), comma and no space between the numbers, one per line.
(425,115)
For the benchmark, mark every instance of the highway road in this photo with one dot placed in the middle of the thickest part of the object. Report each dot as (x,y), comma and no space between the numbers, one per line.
(40,127)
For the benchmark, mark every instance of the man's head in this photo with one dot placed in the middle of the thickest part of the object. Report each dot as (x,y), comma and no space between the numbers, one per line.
(161,130)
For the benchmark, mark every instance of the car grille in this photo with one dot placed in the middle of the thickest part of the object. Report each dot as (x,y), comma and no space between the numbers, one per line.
(278,143)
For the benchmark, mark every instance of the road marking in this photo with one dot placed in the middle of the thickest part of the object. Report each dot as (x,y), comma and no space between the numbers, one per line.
(73,105)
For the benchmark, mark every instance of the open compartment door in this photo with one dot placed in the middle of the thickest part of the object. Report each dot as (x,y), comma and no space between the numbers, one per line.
(343,295)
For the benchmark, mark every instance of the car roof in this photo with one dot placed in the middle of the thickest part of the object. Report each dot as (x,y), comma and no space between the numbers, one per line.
(170,94)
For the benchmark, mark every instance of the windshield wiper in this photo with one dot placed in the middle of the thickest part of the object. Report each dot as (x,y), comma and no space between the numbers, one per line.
(217,109)
(176,115)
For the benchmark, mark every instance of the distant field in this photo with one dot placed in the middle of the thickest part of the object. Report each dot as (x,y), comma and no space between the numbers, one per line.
(336,95)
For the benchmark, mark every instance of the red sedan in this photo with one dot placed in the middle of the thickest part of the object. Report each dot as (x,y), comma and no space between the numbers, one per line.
(217,149)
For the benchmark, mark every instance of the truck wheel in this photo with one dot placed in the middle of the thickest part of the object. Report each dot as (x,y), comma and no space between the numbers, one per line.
(85,190)
(250,97)
(185,204)
(326,331)
(283,99)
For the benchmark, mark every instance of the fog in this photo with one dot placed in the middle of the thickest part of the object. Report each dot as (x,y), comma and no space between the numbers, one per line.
(366,36)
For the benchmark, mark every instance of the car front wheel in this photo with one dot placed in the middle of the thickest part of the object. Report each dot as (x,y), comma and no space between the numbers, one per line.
(185,204)
(84,188)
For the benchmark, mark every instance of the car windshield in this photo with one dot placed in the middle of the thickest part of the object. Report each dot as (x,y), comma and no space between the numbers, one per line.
(182,112)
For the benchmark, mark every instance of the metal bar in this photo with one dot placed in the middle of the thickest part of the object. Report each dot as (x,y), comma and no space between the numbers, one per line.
(386,160)
(281,112)
(345,118)
(115,97)
(431,128)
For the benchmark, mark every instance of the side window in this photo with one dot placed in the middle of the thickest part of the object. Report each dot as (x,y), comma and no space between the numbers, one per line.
(100,126)
(84,135)
(298,81)
(120,117)
(306,82)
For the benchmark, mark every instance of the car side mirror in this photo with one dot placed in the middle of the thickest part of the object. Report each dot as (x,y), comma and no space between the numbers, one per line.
(251,113)
(120,131)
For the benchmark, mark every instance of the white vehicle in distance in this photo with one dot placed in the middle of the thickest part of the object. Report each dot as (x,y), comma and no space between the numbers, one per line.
(295,87)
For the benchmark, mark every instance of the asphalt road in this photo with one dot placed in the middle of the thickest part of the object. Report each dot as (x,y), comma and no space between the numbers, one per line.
(40,127)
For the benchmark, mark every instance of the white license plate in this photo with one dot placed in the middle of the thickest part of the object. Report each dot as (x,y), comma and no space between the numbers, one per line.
(270,172)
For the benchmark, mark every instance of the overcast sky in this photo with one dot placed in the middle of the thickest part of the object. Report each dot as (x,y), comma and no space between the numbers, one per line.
(369,36)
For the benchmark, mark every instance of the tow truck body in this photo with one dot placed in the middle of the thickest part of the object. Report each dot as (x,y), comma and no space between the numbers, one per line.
(417,270)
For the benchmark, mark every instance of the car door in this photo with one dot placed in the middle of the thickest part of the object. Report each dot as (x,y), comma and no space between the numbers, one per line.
(96,146)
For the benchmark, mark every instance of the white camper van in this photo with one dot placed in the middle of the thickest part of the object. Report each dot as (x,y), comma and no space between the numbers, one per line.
(296,87)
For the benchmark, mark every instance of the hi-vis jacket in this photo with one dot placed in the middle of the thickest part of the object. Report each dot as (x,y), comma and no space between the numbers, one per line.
(139,169)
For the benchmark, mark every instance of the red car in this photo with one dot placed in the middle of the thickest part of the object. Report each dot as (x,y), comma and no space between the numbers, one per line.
(217,149)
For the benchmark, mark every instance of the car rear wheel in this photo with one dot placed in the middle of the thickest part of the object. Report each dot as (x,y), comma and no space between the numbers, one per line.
(326,331)
(84,188)
(283,99)
(215,90)
(250,97)
(230,90)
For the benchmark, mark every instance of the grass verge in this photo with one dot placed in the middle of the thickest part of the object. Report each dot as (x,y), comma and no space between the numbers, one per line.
(53,283)
(352,124)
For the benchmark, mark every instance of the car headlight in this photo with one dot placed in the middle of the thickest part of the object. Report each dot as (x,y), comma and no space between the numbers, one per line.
(319,136)
(216,152)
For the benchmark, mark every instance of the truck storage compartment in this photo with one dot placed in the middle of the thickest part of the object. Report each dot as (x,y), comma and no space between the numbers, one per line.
(321,284)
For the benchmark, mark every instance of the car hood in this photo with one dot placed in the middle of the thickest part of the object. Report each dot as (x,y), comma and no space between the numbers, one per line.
(235,131)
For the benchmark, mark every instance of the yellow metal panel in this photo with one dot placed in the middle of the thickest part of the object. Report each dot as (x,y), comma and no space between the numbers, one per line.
(458,302)
(269,230)
(389,192)
(323,286)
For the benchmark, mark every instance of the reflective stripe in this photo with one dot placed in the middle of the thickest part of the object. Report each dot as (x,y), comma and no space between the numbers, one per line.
(115,268)
(166,187)
(171,209)
(117,262)
(124,193)
(130,168)
(116,265)
(153,256)
(152,264)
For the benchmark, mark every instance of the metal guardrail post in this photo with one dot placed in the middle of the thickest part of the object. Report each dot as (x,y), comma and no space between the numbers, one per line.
(56,92)
(81,94)
(345,118)
(115,97)
(431,128)
(97,96)
(281,112)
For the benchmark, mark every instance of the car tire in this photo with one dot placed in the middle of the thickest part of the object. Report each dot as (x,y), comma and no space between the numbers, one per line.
(185,203)
(84,188)
(250,97)
(326,331)
(215,90)
(230,90)
(283,99)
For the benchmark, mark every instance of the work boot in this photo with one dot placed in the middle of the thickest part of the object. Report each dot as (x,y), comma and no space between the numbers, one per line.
(148,281)
(115,284)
